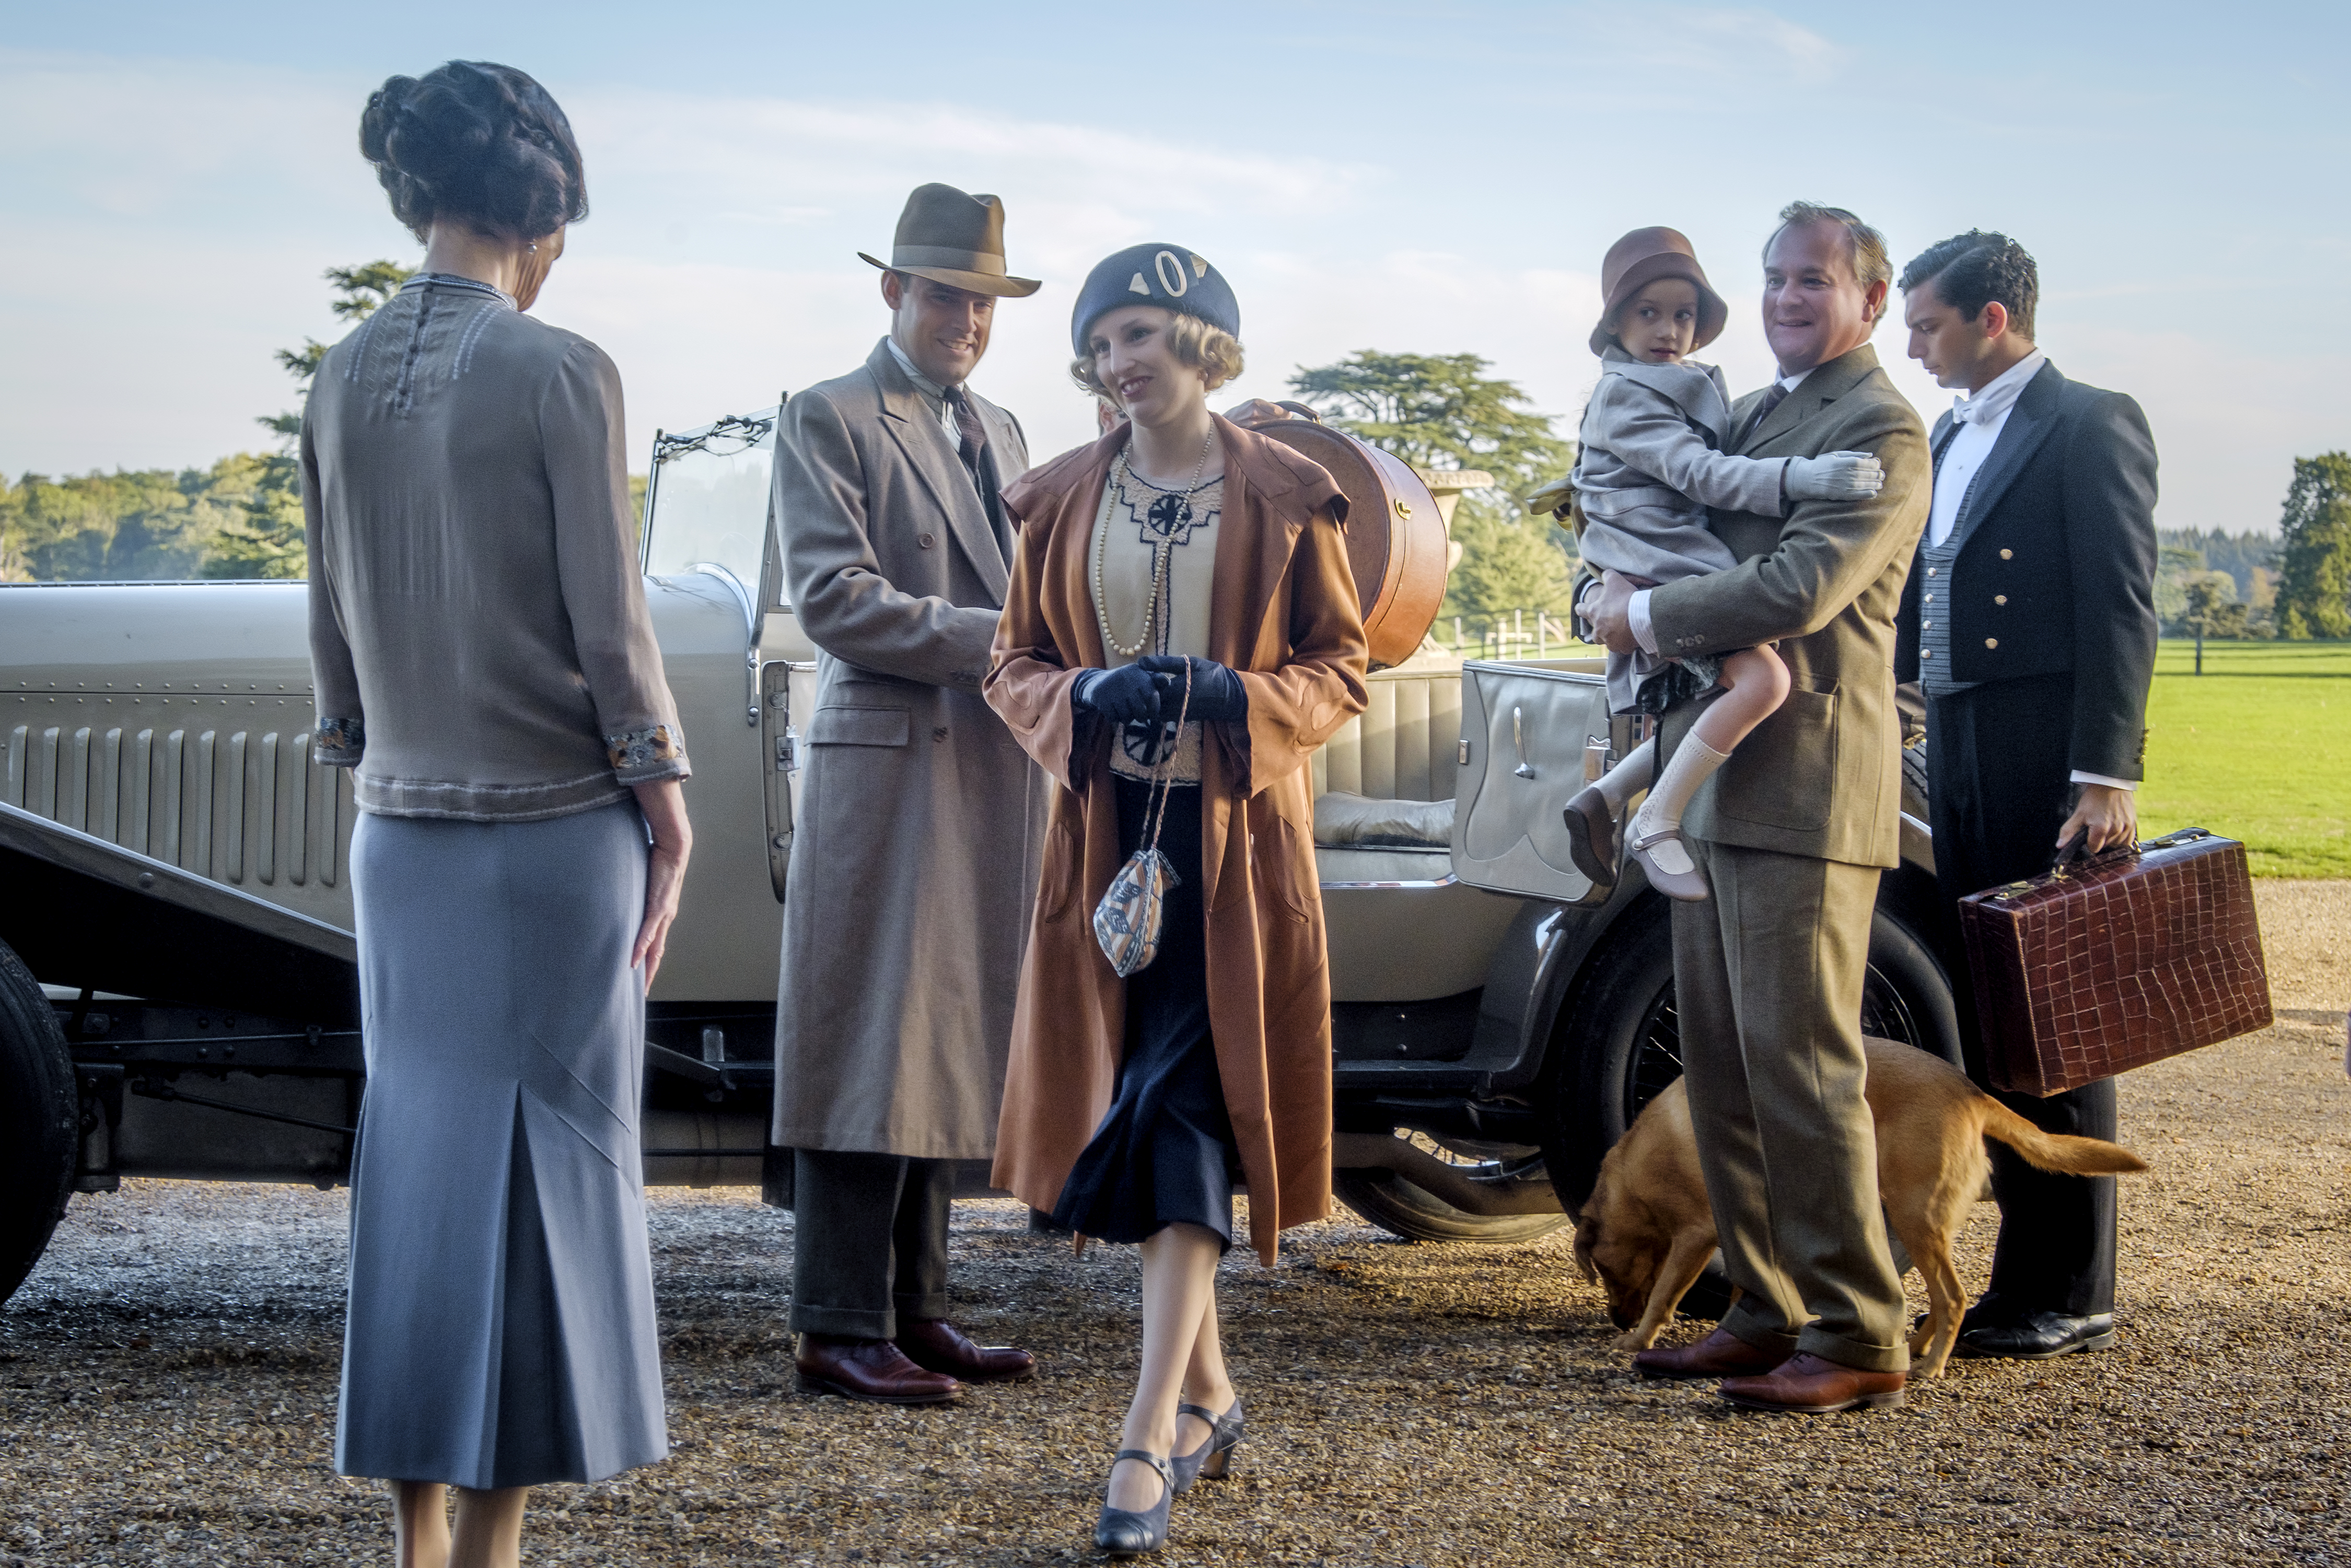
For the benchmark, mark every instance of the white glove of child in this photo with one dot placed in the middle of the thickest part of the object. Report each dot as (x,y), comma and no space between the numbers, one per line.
(1834,476)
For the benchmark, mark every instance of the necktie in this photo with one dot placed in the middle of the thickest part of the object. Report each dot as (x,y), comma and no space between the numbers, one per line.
(973,449)
(1772,400)
(973,435)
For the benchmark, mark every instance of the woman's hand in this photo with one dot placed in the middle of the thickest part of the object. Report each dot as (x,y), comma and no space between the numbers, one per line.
(1216,693)
(1124,696)
(664,804)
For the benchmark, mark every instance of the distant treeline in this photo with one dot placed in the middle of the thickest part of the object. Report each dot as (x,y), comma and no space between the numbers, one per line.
(235,519)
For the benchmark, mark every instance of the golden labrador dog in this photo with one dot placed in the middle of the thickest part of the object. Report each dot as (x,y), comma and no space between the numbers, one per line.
(1647,1233)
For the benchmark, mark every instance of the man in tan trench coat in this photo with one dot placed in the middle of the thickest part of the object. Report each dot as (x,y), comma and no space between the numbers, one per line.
(1792,834)
(922,819)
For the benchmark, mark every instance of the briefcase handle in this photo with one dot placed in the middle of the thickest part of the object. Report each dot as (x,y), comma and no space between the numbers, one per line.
(2072,849)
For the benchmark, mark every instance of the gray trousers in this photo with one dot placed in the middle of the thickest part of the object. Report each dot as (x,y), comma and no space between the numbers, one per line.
(869,1241)
(1768,976)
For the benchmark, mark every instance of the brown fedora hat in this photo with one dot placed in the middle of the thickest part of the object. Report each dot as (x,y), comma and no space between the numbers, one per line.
(1639,259)
(953,238)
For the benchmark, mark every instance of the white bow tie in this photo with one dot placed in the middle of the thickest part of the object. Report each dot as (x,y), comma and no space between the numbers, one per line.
(1960,410)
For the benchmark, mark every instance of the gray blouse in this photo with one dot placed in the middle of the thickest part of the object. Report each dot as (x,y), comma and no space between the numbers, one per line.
(479,641)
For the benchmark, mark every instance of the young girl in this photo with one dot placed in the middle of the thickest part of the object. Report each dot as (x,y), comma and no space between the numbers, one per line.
(1650,462)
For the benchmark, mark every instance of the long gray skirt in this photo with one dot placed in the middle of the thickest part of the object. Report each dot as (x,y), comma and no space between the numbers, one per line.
(501,1325)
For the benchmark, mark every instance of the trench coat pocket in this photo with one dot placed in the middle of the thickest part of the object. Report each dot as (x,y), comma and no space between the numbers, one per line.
(860,726)
(1782,776)
(1277,852)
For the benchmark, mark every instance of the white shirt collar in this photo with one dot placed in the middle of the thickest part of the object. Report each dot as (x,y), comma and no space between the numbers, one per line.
(1989,404)
(923,384)
(1791,381)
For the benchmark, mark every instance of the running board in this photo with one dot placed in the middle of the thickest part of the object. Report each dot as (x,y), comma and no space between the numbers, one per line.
(1379,1151)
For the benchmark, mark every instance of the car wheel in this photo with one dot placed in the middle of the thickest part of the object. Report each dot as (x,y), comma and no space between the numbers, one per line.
(39,1121)
(1402,1208)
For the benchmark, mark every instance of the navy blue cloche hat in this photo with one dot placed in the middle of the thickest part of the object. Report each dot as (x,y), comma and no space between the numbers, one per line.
(1168,276)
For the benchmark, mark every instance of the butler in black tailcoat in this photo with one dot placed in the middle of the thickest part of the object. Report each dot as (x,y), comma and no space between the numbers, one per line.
(2029,621)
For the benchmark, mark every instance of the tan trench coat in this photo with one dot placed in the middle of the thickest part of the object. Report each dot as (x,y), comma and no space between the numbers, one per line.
(921,819)
(1285,616)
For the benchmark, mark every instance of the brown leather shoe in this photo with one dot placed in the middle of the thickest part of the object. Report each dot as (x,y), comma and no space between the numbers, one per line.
(1719,1354)
(1593,835)
(1804,1385)
(872,1369)
(939,1345)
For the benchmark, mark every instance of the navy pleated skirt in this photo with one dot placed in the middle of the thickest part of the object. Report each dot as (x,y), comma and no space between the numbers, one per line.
(1165,1151)
(501,1323)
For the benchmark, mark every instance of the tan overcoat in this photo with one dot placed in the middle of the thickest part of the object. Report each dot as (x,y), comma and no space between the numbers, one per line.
(1285,617)
(921,818)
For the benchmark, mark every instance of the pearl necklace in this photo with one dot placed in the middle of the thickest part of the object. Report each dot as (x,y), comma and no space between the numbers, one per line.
(1160,553)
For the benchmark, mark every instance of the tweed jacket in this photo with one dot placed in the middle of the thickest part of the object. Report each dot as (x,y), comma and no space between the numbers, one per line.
(479,640)
(2055,570)
(1823,776)
(1285,616)
(921,819)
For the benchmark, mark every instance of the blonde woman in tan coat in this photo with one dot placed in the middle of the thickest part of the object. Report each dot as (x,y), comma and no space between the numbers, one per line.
(1182,626)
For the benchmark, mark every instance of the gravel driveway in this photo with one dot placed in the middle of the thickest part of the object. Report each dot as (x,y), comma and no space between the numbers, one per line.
(167,1385)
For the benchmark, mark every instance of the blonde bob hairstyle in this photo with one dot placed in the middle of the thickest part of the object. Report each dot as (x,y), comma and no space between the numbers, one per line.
(1213,351)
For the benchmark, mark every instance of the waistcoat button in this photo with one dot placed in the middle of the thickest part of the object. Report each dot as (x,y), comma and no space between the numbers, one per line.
(2000,599)
(1991,641)
(2007,554)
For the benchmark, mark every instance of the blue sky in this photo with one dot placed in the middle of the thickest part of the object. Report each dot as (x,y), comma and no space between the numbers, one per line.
(1432,178)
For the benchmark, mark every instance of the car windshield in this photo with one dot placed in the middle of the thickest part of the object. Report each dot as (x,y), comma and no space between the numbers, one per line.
(708,503)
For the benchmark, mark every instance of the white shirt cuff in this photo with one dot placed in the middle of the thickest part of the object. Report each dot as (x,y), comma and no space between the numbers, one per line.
(2082,778)
(1637,615)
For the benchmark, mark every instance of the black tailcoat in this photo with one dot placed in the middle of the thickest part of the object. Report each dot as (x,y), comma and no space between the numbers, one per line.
(2051,607)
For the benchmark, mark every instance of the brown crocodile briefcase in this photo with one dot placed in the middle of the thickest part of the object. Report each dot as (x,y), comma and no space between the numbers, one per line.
(2109,964)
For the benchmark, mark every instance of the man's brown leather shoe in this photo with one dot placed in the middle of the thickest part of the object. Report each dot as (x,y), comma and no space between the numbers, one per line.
(1719,1354)
(1804,1385)
(872,1369)
(939,1345)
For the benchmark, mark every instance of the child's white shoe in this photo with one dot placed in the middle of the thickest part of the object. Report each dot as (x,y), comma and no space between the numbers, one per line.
(1665,860)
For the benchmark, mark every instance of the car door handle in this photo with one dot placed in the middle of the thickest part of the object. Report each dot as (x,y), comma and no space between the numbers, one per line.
(1519,740)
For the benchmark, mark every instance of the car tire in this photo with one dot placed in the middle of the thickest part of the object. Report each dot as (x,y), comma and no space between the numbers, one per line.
(1412,1213)
(39,1121)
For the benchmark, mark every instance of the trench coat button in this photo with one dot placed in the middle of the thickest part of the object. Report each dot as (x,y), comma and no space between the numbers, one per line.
(1991,641)
(926,540)
(2008,555)
(2000,599)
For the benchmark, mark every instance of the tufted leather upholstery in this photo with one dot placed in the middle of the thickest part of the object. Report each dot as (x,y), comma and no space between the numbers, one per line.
(1403,746)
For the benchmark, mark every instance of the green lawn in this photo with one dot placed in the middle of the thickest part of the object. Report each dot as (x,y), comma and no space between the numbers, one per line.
(2258,747)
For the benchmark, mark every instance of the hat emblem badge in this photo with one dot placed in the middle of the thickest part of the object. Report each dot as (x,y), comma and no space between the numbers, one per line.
(1171,273)
(1136,285)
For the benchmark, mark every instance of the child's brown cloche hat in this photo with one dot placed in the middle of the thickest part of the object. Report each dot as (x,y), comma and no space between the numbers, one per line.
(1639,259)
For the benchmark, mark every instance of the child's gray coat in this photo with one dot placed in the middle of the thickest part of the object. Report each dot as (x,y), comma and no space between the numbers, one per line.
(1649,463)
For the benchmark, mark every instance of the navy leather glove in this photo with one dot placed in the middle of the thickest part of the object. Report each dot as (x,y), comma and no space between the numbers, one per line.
(1217,691)
(1124,696)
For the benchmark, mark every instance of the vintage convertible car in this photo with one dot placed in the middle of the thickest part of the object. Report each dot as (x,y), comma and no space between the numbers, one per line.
(177,984)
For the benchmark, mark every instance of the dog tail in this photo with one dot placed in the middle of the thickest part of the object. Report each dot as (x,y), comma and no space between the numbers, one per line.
(2059,1151)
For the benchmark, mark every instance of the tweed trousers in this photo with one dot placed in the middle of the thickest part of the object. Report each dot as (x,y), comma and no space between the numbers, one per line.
(1769,976)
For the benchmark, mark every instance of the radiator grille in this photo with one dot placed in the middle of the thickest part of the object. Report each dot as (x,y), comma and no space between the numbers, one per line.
(226,790)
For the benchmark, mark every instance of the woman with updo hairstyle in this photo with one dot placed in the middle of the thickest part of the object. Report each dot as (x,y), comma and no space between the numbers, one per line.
(483,662)
(1180,634)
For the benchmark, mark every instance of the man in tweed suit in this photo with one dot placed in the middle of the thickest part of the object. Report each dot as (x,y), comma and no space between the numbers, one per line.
(1792,833)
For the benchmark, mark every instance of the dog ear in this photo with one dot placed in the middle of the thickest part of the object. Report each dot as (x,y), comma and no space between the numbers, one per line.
(1587,1236)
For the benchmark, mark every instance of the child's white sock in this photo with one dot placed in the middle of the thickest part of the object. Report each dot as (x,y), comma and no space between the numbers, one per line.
(1628,778)
(1693,763)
